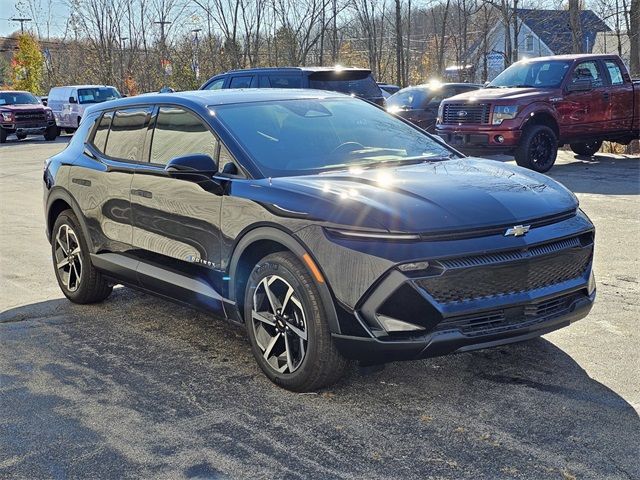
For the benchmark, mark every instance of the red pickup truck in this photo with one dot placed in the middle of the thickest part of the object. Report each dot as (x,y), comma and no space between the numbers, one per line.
(22,114)
(539,104)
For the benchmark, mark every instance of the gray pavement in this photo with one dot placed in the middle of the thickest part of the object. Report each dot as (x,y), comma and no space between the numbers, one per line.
(139,387)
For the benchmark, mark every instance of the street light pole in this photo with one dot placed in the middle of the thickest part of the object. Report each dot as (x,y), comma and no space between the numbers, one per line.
(22,22)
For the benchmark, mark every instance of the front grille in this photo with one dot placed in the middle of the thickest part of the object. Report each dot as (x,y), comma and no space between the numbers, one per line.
(510,318)
(465,113)
(30,116)
(508,273)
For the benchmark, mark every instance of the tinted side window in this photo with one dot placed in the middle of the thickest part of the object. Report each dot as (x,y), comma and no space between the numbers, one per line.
(216,85)
(127,133)
(285,81)
(615,74)
(241,82)
(179,132)
(102,131)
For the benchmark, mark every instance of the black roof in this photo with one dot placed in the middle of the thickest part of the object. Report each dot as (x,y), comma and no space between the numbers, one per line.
(206,98)
(553,28)
(296,69)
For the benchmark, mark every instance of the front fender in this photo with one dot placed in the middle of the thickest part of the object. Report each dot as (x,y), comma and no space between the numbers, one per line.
(297,248)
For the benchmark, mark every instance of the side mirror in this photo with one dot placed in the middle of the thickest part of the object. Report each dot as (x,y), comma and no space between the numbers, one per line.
(580,85)
(486,84)
(72,100)
(197,163)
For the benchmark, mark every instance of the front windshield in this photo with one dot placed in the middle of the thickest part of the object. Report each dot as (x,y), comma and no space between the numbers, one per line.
(97,94)
(540,74)
(299,137)
(18,98)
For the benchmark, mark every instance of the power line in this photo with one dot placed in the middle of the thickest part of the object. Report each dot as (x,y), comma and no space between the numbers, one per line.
(22,22)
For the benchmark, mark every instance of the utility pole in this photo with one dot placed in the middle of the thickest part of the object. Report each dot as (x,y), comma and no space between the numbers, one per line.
(122,81)
(196,51)
(164,61)
(22,21)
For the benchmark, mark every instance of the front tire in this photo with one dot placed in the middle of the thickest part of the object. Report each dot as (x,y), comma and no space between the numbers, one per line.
(21,136)
(586,149)
(287,327)
(3,135)
(538,148)
(77,277)
(51,133)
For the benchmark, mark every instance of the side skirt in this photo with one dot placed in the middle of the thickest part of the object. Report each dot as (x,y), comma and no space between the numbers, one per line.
(176,286)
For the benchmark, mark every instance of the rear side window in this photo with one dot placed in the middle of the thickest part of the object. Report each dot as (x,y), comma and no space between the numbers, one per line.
(615,74)
(284,81)
(102,131)
(241,82)
(179,132)
(588,71)
(127,133)
(359,83)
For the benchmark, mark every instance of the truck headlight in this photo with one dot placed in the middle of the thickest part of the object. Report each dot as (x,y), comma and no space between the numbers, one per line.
(7,116)
(440,112)
(49,114)
(504,112)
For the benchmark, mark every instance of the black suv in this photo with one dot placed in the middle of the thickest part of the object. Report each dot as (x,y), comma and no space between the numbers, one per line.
(329,228)
(352,81)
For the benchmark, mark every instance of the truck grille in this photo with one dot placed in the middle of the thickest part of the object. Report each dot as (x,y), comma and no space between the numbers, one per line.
(509,273)
(30,116)
(456,113)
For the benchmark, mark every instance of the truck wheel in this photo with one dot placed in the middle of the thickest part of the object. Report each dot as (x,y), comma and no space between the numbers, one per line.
(51,133)
(287,326)
(538,148)
(3,135)
(586,149)
(21,136)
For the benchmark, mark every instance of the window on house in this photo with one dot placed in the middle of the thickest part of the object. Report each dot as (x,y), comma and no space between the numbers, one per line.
(528,43)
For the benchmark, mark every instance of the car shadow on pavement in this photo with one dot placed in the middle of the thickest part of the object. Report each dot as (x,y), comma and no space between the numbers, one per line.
(600,174)
(137,386)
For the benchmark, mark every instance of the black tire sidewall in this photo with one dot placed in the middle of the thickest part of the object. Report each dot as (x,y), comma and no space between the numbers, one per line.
(522,152)
(68,217)
(586,149)
(280,264)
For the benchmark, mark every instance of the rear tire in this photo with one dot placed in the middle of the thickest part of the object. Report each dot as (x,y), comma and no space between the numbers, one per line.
(51,133)
(538,148)
(586,149)
(287,327)
(77,277)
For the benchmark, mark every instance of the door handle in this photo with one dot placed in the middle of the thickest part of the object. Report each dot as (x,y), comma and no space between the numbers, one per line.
(142,193)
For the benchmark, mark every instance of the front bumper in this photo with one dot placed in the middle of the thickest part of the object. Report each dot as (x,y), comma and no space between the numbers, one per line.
(446,341)
(479,138)
(28,128)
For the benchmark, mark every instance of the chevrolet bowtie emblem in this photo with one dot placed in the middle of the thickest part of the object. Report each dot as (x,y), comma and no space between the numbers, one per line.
(517,230)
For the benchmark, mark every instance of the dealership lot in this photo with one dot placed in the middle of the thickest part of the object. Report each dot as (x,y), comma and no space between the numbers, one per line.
(137,386)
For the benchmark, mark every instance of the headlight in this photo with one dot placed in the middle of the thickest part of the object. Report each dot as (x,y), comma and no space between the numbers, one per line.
(504,112)
(7,116)
(363,235)
(49,114)
(440,111)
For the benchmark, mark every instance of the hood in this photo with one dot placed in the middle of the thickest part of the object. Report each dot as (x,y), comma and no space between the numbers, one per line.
(19,108)
(516,94)
(429,197)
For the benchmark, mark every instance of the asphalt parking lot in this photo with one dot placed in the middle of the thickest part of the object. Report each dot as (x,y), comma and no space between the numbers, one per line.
(139,387)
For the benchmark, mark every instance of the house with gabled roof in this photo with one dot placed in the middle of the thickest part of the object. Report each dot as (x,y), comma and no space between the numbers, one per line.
(541,33)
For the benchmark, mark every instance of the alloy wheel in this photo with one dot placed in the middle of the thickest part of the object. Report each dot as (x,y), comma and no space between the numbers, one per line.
(541,149)
(279,324)
(68,259)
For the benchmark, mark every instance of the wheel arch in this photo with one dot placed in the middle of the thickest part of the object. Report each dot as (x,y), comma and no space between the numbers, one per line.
(543,117)
(262,241)
(58,201)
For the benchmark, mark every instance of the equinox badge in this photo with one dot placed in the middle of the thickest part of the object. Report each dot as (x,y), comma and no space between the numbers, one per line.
(517,230)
